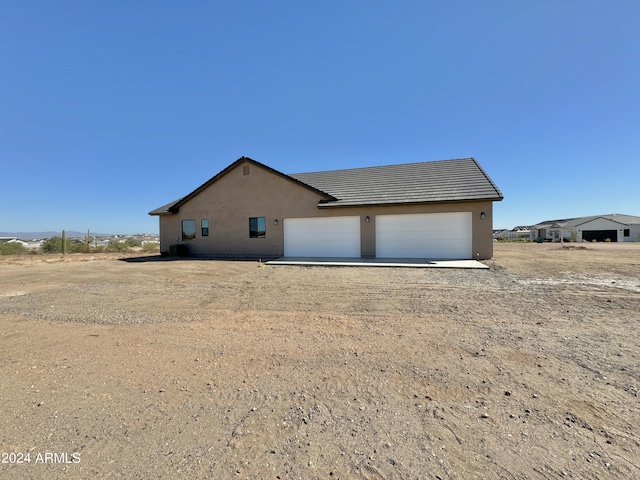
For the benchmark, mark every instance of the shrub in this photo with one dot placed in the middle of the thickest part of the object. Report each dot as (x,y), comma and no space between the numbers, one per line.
(80,248)
(12,248)
(151,247)
(117,247)
(54,245)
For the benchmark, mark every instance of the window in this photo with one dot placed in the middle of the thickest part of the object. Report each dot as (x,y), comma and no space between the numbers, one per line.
(627,232)
(204,225)
(188,229)
(257,227)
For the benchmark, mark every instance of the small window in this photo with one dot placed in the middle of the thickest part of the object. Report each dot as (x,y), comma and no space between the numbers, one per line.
(257,227)
(204,225)
(627,232)
(245,170)
(188,229)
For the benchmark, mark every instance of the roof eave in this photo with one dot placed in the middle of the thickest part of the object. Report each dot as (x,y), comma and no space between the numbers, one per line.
(385,204)
(165,209)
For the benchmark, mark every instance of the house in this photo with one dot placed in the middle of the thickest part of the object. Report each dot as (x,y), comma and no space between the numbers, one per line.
(436,210)
(13,240)
(599,228)
(521,233)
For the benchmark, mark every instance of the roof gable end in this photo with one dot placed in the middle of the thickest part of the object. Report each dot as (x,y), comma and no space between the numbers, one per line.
(174,207)
(602,217)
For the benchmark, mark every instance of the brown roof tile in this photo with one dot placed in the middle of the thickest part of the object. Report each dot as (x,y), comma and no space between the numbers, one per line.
(425,182)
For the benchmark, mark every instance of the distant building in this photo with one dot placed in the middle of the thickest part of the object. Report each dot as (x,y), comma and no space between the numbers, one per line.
(599,228)
(520,233)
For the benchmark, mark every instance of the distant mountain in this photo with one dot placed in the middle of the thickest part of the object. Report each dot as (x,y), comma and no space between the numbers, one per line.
(40,235)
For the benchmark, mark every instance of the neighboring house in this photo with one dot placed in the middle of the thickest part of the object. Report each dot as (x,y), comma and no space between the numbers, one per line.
(437,210)
(521,233)
(600,228)
(13,240)
(34,244)
(101,241)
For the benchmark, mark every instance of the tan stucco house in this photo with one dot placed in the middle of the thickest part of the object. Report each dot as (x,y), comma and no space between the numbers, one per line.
(434,210)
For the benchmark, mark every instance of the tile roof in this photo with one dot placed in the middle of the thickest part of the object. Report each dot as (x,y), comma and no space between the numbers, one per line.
(425,182)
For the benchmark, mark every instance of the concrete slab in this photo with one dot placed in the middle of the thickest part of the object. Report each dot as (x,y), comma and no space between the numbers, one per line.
(377,262)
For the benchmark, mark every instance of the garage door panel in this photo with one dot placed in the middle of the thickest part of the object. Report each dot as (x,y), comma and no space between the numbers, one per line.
(322,237)
(433,235)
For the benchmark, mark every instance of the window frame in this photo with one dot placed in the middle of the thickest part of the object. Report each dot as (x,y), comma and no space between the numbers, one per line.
(254,227)
(186,236)
(204,227)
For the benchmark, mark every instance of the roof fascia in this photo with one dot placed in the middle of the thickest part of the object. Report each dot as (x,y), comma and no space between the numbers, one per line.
(400,204)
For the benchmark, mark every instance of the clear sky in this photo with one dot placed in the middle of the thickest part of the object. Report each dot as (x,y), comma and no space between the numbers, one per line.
(111,109)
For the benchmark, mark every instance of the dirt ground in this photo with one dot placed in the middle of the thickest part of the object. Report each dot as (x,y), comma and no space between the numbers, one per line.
(216,369)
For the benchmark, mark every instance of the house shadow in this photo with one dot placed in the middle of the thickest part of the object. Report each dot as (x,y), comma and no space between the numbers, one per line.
(145,258)
(191,258)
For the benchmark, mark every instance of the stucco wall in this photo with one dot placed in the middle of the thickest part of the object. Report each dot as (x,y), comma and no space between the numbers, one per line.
(234,198)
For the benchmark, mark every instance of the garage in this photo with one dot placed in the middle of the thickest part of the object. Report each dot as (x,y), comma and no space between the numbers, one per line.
(429,235)
(599,235)
(322,237)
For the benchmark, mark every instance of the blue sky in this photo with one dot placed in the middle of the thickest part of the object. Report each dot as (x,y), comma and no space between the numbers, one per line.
(111,109)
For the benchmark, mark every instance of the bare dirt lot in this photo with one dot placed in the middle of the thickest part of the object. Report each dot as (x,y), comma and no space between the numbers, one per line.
(216,369)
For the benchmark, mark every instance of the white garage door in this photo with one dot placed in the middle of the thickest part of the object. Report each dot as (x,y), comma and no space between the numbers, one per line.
(322,237)
(432,235)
